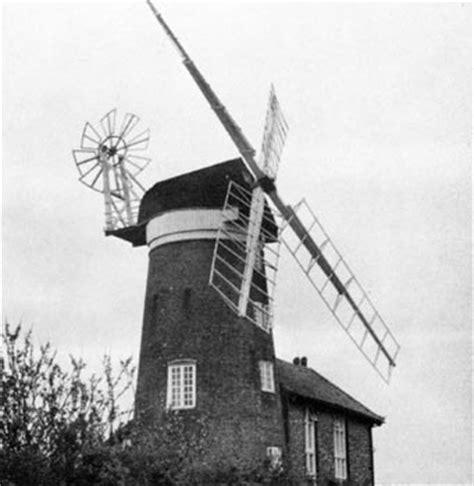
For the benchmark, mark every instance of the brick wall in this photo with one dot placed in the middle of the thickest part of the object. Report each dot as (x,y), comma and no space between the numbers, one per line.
(184,318)
(360,453)
(358,445)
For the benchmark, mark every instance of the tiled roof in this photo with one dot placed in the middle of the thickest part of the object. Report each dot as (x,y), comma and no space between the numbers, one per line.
(305,382)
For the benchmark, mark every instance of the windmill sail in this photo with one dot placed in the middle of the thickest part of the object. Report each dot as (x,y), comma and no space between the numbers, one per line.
(251,298)
(274,137)
(340,290)
(232,269)
(303,234)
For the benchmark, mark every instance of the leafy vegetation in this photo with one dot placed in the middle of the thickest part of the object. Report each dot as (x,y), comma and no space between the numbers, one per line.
(60,428)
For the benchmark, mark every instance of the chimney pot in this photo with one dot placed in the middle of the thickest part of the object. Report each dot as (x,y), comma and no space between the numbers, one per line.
(304,361)
(296,361)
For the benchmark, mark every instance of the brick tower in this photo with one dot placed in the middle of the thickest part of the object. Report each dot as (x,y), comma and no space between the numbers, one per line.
(197,356)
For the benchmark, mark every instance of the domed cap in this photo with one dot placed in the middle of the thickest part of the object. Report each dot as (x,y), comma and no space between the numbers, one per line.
(203,188)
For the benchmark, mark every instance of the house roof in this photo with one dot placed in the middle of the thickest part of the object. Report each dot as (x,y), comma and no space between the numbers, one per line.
(307,383)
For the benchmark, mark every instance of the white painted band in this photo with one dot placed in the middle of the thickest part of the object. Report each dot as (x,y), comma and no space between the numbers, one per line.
(186,224)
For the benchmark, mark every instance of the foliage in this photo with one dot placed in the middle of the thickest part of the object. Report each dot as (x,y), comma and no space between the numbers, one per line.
(59,428)
(51,416)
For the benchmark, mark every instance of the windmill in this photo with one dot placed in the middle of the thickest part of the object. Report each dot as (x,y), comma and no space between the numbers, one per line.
(108,163)
(301,232)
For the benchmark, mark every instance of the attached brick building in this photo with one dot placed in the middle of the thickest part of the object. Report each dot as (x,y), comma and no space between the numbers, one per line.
(198,357)
(328,433)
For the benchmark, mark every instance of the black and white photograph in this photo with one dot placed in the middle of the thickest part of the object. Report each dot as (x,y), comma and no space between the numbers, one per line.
(236,243)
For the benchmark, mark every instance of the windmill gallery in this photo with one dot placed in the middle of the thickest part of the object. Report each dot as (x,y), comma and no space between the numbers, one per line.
(214,237)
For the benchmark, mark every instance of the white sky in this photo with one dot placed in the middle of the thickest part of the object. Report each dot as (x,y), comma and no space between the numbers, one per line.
(378,98)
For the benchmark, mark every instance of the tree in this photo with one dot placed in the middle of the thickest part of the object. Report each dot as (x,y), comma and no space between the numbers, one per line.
(51,417)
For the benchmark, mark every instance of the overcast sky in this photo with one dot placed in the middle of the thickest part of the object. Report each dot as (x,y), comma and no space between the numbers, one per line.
(378,99)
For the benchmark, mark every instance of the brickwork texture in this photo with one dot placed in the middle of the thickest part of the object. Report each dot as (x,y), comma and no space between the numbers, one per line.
(184,318)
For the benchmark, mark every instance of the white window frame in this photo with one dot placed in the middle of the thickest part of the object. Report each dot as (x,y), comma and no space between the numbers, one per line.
(310,443)
(267,377)
(181,388)
(340,448)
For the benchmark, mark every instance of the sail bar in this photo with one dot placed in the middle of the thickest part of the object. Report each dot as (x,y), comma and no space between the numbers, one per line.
(257,206)
(248,152)
(243,145)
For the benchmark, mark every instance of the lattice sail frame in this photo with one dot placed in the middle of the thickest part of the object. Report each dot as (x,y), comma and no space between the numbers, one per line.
(374,339)
(107,163)
(231,254)
(274,136)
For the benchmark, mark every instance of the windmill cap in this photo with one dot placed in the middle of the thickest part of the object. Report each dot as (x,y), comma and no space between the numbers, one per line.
(203,188)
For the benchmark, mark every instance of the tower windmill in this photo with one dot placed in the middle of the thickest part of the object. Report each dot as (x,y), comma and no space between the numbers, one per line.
(304,236)
(213,237)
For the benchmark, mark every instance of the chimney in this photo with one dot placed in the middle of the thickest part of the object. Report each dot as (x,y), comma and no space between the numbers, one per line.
(296,361)
(304,361)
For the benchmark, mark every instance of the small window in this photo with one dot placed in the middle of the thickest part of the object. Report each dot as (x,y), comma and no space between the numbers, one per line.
(310,423)
(262,316)
(181,385)
(340,453)
(266,376)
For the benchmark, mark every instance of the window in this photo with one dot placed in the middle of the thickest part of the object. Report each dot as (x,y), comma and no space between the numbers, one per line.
(262,316)
(340,456)
(266,376)
(181,385)
(310,423)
